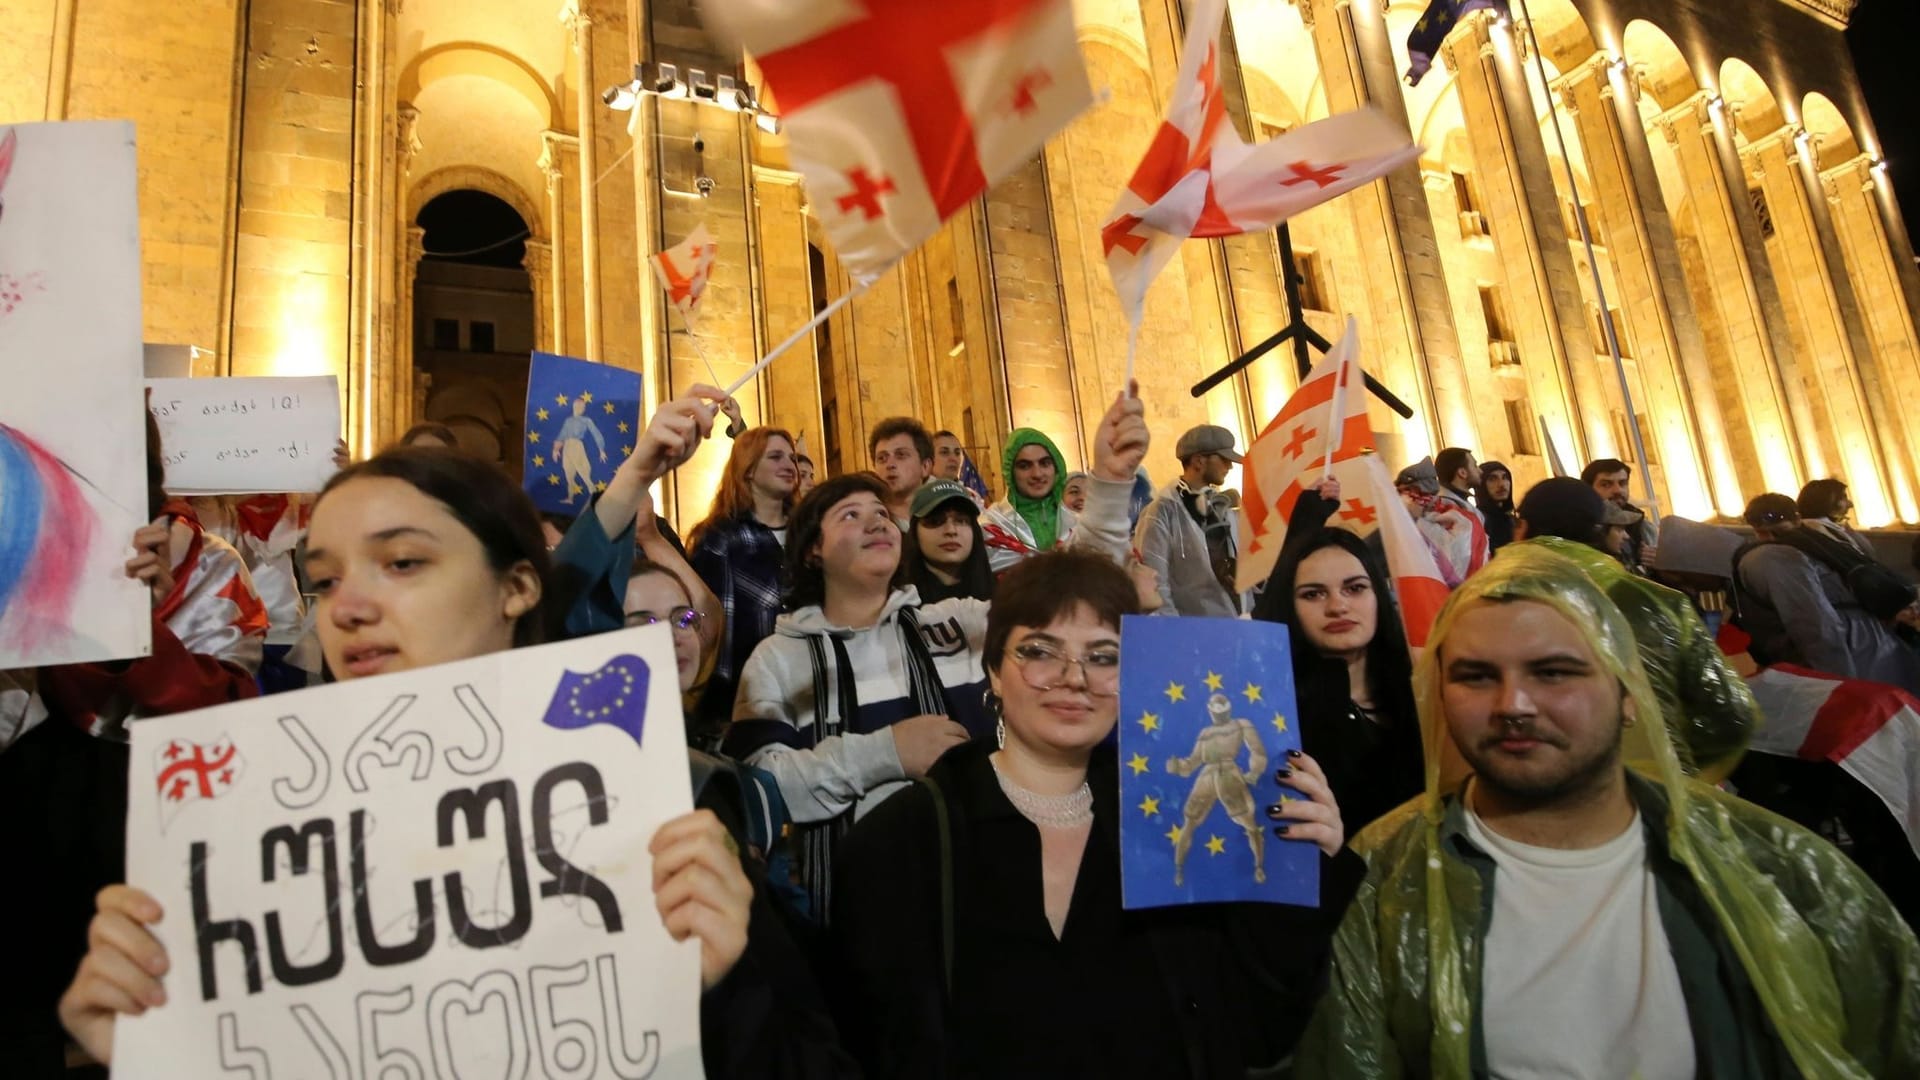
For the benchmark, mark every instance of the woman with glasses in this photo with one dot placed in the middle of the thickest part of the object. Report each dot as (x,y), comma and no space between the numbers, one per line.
(861,686)
(978,914)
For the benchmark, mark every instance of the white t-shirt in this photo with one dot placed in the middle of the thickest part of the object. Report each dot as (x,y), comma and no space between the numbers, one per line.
(1578,979)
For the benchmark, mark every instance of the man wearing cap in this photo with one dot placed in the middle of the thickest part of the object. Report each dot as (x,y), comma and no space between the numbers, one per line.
(1709,709)
(1186,533)
(1456,536)
(1793,594)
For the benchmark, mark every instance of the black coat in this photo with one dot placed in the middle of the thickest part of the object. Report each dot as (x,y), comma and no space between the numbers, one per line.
(1198,991)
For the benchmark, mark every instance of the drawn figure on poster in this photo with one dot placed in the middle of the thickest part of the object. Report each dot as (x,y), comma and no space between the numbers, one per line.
(572,444)
(1216,752)
(13,289)
(46,529)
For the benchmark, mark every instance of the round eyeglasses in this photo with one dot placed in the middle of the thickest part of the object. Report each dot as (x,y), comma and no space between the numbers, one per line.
(1045,667)
(680,618)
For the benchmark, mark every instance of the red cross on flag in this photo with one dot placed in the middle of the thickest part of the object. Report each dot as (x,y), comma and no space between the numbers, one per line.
(1199,179)
(683,269)
(185,772)
(1323,429)
(901,111)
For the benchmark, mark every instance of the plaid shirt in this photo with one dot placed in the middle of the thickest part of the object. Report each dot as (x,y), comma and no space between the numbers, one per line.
(740,560)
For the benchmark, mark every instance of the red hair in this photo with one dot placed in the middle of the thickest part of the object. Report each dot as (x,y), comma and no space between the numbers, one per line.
(735,493)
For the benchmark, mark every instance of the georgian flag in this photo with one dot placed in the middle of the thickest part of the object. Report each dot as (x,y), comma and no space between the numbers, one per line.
(1322,430)
(901,111)
(683,269)
(1871,730)
(1199,179)
(185,772)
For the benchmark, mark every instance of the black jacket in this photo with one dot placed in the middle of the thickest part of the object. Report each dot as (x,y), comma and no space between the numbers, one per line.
(1200,991)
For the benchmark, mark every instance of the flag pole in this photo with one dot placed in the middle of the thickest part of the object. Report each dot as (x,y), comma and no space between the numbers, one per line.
(1593,267)
(699,349)
(823,316)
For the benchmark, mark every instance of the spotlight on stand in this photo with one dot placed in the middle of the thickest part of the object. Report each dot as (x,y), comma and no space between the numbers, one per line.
(664,81)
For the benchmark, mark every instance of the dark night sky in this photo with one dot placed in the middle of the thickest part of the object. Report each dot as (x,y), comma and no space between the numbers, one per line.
(1883,35)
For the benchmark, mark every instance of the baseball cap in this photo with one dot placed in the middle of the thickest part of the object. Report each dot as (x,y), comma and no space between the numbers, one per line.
(1207,439)
(1421,474)
(931,496)
(1565,507)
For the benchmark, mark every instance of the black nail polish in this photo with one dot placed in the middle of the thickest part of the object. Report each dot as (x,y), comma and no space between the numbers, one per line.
(1275,811)
(1293,753)
(1285,771)
(1281,832)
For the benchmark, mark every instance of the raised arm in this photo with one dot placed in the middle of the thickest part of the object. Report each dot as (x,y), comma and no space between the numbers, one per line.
(1119,445)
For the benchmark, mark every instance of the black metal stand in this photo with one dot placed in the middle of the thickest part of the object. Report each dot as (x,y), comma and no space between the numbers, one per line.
(1296,331)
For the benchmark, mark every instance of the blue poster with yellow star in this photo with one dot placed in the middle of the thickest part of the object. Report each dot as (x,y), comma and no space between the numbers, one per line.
(583,419)
(1206,720)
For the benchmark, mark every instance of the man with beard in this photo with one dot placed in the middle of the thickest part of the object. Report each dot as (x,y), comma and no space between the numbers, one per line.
(1612,478)
(1546,910)
(1493,497)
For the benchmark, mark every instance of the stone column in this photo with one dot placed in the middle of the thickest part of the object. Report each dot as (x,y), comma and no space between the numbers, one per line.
(538,264)
(1529,234)
(1414,335)
(1619,219)
(1813,304)
(1853,194)
(411,406)
(580,26)
(397,346)
(1483,373)
(550,149)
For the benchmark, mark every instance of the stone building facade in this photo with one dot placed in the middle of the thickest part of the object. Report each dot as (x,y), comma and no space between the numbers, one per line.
(1755,268)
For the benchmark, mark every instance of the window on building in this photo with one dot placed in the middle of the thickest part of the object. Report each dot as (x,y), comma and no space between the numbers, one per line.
(1313,283)
(956,320)
(1500,344)
(1520,427)
(1599,331)
(1473,221)
(1623,438)
(1761,212)
(446,334)
(480,337)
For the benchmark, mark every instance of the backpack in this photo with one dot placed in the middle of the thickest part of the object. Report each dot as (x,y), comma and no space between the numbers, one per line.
(1878,590)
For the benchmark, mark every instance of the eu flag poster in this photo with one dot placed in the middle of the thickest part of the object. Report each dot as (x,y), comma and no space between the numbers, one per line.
(582,421)
(1206,718)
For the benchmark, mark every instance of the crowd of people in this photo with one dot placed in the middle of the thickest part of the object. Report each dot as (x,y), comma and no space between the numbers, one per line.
(1531,861)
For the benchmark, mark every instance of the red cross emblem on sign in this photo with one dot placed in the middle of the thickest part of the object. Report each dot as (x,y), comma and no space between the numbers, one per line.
(1119,233)
(906,45)
(1359,510)
(192,771)
(1305,173)
(1297,445)
(1023,100)
(866,193)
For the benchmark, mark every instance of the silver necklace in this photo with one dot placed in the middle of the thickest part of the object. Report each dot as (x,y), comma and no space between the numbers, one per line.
(1069,811)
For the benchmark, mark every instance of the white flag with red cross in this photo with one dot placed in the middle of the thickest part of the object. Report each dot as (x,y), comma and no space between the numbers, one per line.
(1323,430)
(683,269)
(1199,179)
(901,111)
(186,772)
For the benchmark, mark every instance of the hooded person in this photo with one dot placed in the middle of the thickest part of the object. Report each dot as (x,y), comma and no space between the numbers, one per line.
(1709,709)
(1761,950)
(1033,517)
(1493,497)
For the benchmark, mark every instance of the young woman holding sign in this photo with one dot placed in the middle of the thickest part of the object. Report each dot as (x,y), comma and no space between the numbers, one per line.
(422,557)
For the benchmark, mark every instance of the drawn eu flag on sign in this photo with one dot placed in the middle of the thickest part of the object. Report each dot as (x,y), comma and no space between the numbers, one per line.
(583,419)
(1206,717)
(616,694)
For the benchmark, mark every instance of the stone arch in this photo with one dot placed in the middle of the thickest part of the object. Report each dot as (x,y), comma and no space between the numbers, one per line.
(1565,38)
(486,61)
(1755,109)
(478,178)
(1658,64)
(1833,139)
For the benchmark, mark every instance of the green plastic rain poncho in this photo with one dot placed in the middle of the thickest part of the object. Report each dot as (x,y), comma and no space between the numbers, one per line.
(1822,978)
(1709,710)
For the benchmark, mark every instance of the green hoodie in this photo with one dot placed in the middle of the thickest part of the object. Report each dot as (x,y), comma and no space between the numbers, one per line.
(1042,515)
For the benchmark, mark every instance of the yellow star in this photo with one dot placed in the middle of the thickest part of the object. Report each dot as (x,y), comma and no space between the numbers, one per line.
(1149,722)
(539,462)
(1176,692)
(1279,723)
(625,449)
(533,436)
(1252,693)
(1138,763)
(623,427)
(553,478)
(601,486)
(587,396)
(1175,833)
(609,406)
(1213,681)
(1150,806)
(540,414)
(560,399)
(1215,845)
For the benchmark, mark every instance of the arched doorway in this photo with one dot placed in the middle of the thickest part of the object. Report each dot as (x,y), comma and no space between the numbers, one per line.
(473,322)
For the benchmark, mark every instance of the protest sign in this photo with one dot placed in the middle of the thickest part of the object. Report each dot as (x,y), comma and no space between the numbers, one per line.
(583,420)
(435,873)
(72,453)
(1206,719)
(247,436)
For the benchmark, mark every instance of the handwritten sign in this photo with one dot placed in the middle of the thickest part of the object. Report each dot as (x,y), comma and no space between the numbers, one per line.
(436,873)
(246,436)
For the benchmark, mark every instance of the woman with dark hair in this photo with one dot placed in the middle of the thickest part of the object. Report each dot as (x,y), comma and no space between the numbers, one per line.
(737,552)
(1825,505)
(422,556)
(862,687)
(1352,671)
(946,553)
(1493,497)
(979,913)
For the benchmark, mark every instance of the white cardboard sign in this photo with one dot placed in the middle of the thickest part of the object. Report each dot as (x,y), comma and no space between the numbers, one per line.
(243,436)
(432,874)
